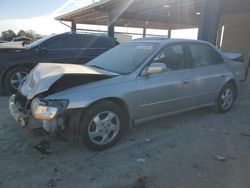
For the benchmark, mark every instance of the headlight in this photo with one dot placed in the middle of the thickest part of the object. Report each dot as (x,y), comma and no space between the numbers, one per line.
(48,109)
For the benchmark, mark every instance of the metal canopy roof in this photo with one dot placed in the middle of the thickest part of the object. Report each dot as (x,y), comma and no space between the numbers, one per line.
(156,14)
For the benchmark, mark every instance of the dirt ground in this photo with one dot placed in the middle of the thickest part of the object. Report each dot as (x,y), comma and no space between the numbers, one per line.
(197,149)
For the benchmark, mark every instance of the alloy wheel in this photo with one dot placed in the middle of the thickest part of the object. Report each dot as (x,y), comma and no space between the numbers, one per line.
(227,98)
(103,128)
(17,79)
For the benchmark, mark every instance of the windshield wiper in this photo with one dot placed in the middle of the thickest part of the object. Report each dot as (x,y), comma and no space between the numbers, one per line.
(96,66)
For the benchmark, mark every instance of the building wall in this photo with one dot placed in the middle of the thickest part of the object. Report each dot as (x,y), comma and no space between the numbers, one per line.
(121,38)
(237,34)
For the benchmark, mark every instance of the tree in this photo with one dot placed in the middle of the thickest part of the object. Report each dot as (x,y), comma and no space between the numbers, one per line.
(21,33)
(8,35)
(32,34)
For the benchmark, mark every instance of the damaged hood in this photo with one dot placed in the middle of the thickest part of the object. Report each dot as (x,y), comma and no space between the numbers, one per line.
(53,77)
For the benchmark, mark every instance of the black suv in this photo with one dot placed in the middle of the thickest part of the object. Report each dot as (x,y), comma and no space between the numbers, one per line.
(74,48)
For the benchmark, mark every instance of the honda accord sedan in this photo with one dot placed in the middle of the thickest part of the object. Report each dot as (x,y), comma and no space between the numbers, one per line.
(134,82)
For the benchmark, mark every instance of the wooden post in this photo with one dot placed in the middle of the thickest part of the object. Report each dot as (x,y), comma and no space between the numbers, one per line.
(144,32)
(73,27)
(111,26)
(209,20)
(169,32)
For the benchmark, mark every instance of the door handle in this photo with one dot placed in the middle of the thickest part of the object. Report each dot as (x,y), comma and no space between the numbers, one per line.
(186,81)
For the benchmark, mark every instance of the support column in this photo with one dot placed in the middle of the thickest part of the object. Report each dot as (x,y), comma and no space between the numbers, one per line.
(144,32)
(209,20)
(111,26)
(73,27)
(219,37)
(169,32)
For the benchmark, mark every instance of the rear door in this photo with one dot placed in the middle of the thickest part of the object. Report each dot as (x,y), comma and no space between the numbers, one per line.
(209,73)
(166,92)
(90,46)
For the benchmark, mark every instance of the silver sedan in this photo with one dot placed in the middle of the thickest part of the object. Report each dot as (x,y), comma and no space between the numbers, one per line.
(134,82)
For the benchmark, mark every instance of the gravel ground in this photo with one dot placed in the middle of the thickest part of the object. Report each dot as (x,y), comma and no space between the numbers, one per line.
(194,149)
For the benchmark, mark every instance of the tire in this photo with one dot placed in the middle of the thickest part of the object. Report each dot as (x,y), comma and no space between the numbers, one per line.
(102,125)
(225,98)
(15,74)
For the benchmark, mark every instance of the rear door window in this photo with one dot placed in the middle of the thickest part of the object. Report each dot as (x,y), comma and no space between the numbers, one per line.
(174,56)
(103,42)
(204,55)
(85,41)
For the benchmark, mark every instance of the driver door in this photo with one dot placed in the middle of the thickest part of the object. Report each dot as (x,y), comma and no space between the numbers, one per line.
(167,92)
(59,50)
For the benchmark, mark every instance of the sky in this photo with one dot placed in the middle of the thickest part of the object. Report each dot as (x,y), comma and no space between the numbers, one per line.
(38,15)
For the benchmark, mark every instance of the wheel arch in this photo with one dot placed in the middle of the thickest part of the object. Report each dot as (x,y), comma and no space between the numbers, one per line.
(121,103)
(5,72)
(233,82)
(72,131)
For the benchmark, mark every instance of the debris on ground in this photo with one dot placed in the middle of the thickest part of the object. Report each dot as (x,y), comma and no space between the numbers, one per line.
(220,158)
(148,155)
(200,176)
(140,182)
(43,147)
(240,98)
(52,183)
(39,132)
(141,160)
(92,179)
(148,140)
(245,134)
(55,170)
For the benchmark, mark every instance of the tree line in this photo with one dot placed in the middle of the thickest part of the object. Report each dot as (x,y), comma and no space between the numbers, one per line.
(9,35)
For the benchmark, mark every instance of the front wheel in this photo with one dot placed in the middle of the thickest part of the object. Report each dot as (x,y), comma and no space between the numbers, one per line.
(225,99)
(102,125)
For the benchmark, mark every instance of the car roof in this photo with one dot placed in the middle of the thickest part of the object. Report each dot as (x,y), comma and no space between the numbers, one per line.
(164,41)
(86,34)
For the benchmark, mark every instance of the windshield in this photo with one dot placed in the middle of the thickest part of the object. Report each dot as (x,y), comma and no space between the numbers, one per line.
(38,42)
(124,58)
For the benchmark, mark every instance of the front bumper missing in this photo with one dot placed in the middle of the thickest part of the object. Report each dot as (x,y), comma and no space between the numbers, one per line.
(22,117)
(25,118)
(17,112)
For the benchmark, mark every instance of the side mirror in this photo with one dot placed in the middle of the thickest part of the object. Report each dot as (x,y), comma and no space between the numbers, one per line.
(156,68)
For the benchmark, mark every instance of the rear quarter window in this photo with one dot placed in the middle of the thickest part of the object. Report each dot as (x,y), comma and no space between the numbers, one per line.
(85,41)
(103,42)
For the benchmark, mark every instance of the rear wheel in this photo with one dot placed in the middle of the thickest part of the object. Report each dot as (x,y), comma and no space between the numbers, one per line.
(14,78)
(102,125)
(225,99)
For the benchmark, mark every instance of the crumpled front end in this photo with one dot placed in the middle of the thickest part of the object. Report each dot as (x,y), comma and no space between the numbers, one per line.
(34,114)
(16,107)
(31,106)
